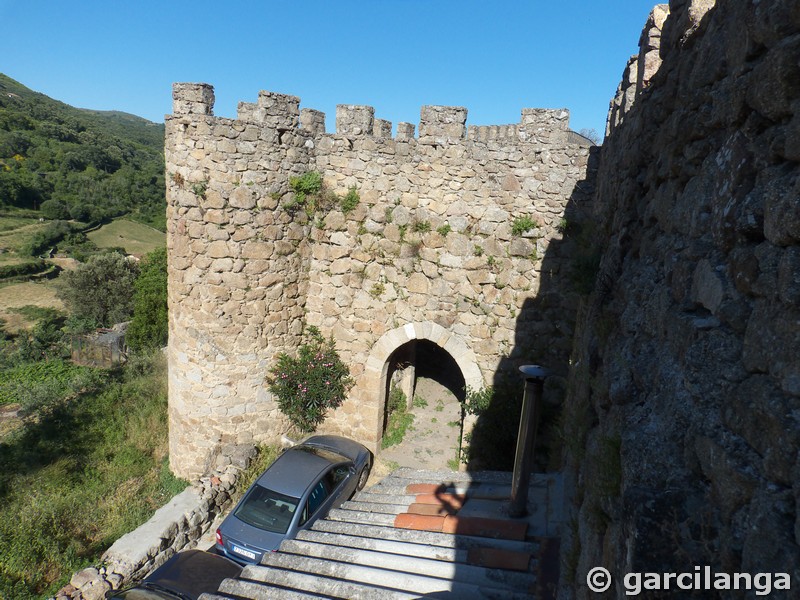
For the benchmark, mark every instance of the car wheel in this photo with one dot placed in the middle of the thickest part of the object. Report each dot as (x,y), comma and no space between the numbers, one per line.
(363,477)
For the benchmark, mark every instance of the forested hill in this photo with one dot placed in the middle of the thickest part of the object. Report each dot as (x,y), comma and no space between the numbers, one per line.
(72,163)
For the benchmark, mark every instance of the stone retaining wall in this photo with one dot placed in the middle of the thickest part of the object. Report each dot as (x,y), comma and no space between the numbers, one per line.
(176,526)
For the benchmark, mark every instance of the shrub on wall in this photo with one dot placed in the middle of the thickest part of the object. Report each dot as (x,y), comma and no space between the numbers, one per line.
(308,385)
(306,189)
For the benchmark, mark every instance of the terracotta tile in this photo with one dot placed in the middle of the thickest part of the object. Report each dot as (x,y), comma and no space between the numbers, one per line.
(495,558)
(419,522)
(424,488)
(455,501)
(492,528)
(431,509)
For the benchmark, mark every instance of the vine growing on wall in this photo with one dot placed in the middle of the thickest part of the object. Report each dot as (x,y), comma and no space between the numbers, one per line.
(306,386)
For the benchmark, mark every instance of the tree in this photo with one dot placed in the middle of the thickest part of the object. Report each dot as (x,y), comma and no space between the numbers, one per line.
(149,327)
(54,209)
(591,134)
(101,290)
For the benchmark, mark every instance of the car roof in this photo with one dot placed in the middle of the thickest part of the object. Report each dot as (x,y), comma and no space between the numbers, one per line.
(297,468)
(193,572)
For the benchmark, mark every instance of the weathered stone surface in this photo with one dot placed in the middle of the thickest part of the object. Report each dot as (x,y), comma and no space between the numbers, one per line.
(429,236)
(686,355)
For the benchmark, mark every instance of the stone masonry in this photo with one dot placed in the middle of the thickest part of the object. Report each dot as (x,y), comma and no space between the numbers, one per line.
(429,253)
(685,389)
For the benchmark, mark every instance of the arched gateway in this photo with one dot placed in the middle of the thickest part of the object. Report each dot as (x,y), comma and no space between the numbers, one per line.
(374,384)
(441,240)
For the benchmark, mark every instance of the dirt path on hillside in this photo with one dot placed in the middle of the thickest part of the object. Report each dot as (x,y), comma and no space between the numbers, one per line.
(432,442)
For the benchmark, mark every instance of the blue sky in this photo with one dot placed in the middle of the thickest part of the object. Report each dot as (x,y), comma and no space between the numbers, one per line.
(494,57)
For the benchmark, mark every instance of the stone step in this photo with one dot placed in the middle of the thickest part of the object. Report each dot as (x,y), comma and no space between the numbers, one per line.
(407,491)
(432,476)
(464,573)
(267,583)
(442,540)
(374,507)
(233,589)
(420,550)
(378,498)
(360,516)
(360,550)
(281,568)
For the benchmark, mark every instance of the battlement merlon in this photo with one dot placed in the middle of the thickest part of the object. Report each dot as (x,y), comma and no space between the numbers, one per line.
(405,131)
(312,121)
(545,125)
(442,124)
(192,99)
(276,111)
(382,128)
(352,119)
(555,119)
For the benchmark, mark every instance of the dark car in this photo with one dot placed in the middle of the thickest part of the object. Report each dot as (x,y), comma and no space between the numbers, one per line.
(301,486)
(183,577)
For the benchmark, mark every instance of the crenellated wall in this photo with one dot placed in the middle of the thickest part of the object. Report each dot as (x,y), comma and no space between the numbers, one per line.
(428,253)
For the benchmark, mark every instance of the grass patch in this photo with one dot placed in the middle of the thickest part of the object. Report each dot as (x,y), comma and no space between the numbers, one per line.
(9,223)
(15,297)
(81,474)
(16,236)
(39,383)
(135,237)
(400,422)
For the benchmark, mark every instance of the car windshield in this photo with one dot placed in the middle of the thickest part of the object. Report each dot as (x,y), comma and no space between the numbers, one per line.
(267,510)
(330,455)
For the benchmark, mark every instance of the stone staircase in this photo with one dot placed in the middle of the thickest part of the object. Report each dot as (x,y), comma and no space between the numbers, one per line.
(419,534)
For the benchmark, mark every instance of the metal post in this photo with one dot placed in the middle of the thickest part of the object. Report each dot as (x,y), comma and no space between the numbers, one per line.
(526,440)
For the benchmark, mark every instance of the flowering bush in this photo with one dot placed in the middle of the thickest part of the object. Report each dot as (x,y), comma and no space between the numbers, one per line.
(307,386)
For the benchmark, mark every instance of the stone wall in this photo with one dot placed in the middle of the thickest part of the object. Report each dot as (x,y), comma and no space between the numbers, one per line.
(685,391)
(428,253)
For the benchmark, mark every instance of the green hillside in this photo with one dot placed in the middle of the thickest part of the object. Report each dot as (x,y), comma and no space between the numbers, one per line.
(71,163)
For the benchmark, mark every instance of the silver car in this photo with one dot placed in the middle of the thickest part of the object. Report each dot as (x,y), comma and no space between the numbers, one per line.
(301,486)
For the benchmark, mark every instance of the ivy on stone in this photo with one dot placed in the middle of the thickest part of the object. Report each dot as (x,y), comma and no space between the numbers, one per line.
(308,385)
